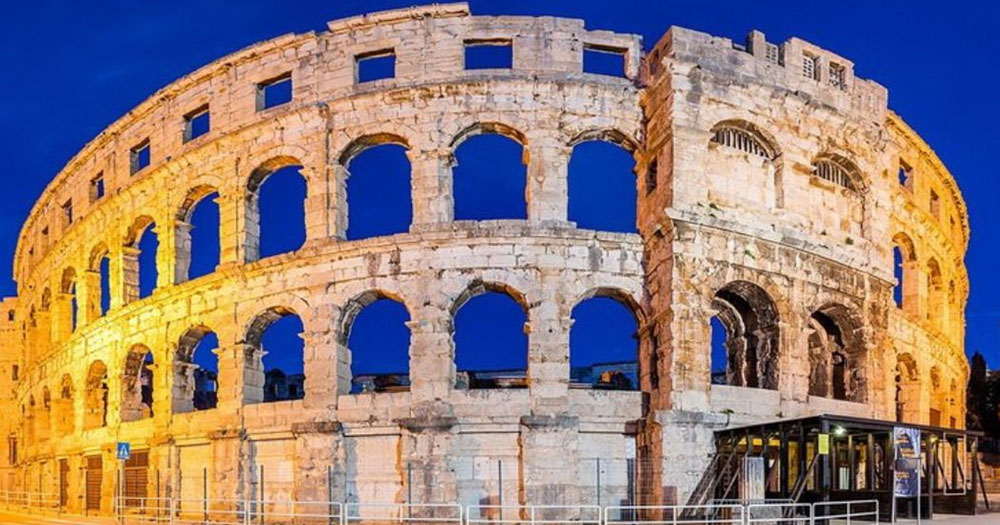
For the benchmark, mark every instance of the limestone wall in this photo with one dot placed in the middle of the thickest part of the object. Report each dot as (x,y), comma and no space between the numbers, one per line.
(804,249)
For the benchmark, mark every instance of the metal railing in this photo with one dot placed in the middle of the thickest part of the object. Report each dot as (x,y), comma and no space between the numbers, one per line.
(180,511)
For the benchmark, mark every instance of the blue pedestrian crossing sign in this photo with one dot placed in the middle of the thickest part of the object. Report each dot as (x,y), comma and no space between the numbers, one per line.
(124,451)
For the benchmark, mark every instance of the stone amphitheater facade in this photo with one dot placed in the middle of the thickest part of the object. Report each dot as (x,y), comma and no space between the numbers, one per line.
(773,186)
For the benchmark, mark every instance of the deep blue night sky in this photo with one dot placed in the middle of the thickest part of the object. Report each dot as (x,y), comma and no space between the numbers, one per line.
(71,69)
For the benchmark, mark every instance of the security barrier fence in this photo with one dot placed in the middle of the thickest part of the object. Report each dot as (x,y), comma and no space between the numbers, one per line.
(179,511)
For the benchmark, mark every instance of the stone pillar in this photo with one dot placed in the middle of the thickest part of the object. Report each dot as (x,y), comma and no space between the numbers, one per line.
(320,473)
(427,449)
(129,268)
(182,387)
(241,376)
(231,224)
(432,353)
(182,251)
(548,356)
(62,317)
(227,473)
(431,181)
(321,371)
(550,460)
(548,174)
(320,204)
(343,368)
(338,197)
(164,255)
(88,298)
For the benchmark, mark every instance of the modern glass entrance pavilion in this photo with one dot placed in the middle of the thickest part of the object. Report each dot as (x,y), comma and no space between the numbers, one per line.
(859,465)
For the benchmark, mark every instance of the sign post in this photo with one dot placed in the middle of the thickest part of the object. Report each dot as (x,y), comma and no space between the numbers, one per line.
(906,467)
(122,451)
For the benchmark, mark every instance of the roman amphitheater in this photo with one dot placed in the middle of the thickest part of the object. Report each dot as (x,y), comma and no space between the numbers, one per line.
(776,196)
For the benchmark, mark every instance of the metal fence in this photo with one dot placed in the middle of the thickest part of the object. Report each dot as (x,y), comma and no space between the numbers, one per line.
(177,511)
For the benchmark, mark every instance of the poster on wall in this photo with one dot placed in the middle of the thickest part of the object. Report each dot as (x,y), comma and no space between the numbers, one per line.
(907,482)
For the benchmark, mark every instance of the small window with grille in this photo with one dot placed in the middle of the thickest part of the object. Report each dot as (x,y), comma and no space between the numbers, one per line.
(809,69)
(741,139)
(840,173)
(838,76)
(772,53)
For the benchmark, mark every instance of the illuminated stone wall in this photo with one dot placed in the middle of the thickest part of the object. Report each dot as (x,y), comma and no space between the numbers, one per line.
(720,222)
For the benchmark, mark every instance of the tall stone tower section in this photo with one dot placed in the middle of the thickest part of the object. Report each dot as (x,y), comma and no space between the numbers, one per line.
(763,210)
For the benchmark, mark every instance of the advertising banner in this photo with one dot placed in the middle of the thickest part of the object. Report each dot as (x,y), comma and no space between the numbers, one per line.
(907,482)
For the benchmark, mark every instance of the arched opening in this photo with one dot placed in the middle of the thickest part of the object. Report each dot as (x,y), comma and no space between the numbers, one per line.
(840,171)
(602,187)
(937,407)
(905,269)
(836,355)
(276,218)
(99,282)
(196,371)
(95,413)
(139,259)
(936,308)
(68,303)
(197,231)
(749,319)
(491,346)
(489,174)
(43,419)
(378,188)
(378,337)
(137,385)
(275,337)
(907,389)
(63,407)
(603,343)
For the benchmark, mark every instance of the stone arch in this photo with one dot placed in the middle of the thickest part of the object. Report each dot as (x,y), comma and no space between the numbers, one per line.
(936,307)
(905,270)
(194,387)
(135,264)
(749,317)
(837,354)
(611,135)
(907,386)
(62,407)
(137,384)
(378,202)
(98,283)
(606,159)
(364,142)
(66,316)
(255,182)
(506,369)
(489,176)
(270,385)
(483,128)
(618,365)
(746,136)
(184,247)
(95,413)
(387,377)
(840,170)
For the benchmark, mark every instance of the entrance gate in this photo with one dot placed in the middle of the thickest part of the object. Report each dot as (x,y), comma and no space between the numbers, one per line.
(63,482)
(136,479)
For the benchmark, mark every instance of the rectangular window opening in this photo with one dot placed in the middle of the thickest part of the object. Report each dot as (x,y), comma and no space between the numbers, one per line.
(67,209)
(14,372)
(905,175)
(97,187)
(604,60)
(139,157)
(274,92)
(196,123)
(489,54)
(651,177)
(809,69)
(376,65)
(935,204)
(838,76)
